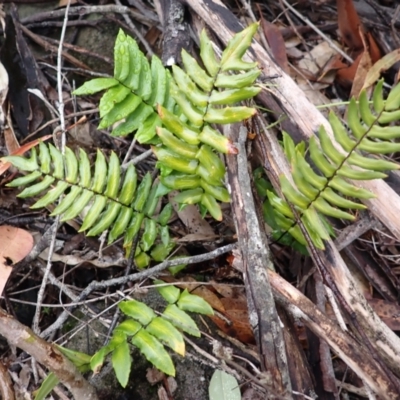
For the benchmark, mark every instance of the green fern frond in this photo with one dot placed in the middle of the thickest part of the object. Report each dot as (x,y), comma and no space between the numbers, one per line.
(133,93)
(120,205)
(188,157)
(149,332)
(316,195)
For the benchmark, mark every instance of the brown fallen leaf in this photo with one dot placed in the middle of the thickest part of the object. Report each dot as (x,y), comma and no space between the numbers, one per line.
(349,24)
(15,244)
(210,297)
(362,45)
(199,290)
(364,65)
(240,330)
(276,43)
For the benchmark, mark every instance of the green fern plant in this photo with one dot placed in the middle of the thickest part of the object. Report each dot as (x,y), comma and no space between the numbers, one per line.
(145,330)
(316,195)
(187,103)
(120,205)
(176,114)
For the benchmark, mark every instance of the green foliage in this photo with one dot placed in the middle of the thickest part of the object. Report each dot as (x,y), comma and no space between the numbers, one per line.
(315,196)
(81,361)
(49,383)
(107,200)
(187,102)
(175,113)
(133,93)
(187,157)
(144,330)
(149,332)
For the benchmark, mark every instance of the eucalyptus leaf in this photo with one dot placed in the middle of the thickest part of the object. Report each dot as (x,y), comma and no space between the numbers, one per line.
(223,387)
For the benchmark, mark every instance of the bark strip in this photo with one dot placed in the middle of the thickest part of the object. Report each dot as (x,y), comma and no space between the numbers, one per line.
(256,260)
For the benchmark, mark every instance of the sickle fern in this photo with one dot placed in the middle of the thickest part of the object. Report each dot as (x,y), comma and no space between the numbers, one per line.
(176,114)
(316,195)
(147,331)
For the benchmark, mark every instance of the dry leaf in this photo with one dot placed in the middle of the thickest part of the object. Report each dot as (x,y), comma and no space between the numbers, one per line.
(15,244)
(363,67)
(236,329)
(276,43)
(191,218)
(314,62)
(349,24)
(3,91)
(210,297)
(345,76)
(381,66)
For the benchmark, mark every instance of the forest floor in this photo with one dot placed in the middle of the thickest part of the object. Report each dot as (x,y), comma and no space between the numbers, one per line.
(328,50)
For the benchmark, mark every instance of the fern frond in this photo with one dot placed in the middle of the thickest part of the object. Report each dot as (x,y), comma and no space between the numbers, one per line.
(316,195)
(120,205)
(133,93)
(149,332)
(205,96)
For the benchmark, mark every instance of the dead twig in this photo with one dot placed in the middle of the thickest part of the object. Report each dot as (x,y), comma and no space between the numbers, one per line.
(256,260)
(95,285)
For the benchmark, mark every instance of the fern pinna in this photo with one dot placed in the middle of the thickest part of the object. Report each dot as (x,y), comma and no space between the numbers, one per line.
(133,93)
(314,195)
(187,158)
(120,205)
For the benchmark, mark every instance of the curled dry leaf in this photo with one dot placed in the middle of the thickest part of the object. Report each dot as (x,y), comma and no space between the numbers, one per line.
(15,244)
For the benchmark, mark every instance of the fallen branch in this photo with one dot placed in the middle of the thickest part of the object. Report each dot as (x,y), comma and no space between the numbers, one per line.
(264,318)
(341,342)
(48,355)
